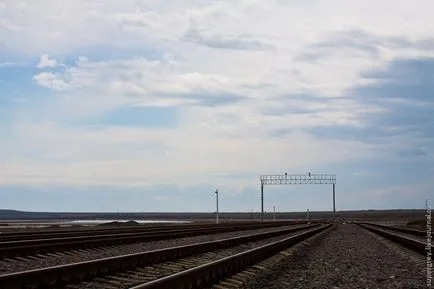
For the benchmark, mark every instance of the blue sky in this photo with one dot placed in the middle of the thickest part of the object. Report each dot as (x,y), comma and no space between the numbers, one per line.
(151,106)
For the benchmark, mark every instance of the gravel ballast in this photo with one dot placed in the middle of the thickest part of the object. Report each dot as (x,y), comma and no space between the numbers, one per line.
(48,260)
(348,257)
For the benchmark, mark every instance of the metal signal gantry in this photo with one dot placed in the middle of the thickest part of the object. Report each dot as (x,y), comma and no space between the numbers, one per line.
(313,179)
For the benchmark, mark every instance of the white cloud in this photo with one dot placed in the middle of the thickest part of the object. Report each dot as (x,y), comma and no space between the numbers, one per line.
(50,80)
(271,54)
(134,23)
(423,189)
(192,154)
(6,25)
(45,61)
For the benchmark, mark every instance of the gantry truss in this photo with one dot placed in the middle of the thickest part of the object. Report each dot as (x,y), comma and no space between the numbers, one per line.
(314,179)
(305,179)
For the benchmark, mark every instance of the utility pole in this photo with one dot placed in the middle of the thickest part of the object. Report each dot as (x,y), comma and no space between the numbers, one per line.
(274,213)
(217,205)
(262,201)
(334,204)
(307,215)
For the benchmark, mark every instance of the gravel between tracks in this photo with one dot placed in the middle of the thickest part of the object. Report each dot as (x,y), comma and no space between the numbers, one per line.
(35,262)
(348,257)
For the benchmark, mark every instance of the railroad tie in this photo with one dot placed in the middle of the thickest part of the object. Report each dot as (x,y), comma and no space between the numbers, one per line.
(142,278)
(285,253)
(233,281)
(220,286)
(246,273)
(71,253)
(57,254)
(125,279)
(22,259)
(108,282)
(32,258)
(8,260)
(259,267)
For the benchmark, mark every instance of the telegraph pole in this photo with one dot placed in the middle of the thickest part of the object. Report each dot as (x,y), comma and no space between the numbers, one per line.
(334,204)
(262,201)
(217,205)
(274,213)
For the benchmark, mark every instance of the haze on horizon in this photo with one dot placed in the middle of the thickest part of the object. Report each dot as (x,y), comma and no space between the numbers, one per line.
(151,105)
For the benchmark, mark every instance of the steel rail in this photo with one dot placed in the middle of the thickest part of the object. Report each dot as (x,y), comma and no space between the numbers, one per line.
(415,245)
(414,232)
(70,273)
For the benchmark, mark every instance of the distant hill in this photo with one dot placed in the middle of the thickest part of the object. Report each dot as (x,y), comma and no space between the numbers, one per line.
(399,214)
(22,215)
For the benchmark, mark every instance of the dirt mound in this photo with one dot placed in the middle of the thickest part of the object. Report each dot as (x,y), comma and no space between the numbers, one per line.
(117,223)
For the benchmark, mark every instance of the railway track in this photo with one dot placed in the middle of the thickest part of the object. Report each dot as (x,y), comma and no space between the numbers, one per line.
(177,267)
(65,257)
(49,234)
(409,238)
(412,232)
(11,249)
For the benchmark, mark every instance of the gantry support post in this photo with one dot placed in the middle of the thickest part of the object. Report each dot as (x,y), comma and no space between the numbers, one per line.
(334,204)
(262,201)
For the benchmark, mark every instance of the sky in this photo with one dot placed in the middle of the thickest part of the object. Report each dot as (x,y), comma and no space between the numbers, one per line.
(151,105)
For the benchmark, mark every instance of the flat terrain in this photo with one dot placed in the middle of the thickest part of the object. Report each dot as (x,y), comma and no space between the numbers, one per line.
(380,215)
(13,220)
